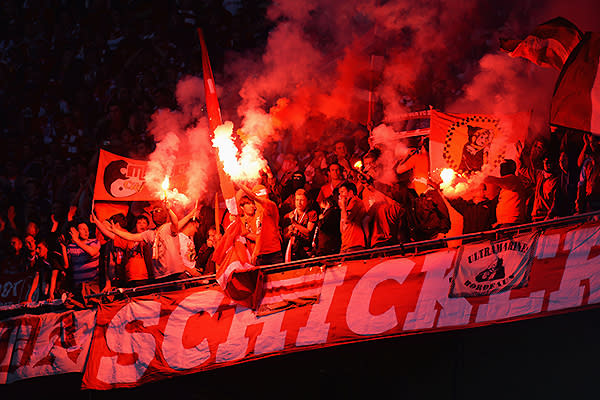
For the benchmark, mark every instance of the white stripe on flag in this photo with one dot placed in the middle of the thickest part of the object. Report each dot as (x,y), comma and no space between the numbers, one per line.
(295,281)
(231,205)
(211,86)
(295,295)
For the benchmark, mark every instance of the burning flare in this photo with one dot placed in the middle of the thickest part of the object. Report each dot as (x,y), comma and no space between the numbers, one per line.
(240,167)
(447,176)
(358,164)
(165,186)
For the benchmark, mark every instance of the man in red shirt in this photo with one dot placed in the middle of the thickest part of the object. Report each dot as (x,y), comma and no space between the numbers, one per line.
(352,216)
(267,250)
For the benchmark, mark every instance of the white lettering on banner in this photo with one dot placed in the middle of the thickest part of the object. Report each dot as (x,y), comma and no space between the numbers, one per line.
(119,340)
(547,246)
(500,306)
(316,330)
(452,311)
(358,317)
(175,354)
(578,268)
(270,339)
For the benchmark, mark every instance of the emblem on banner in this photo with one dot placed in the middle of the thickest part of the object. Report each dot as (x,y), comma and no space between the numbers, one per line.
(468,142)
(122,179)
(493,266)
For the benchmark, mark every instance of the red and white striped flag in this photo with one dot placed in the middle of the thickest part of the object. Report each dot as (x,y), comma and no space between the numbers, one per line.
(295,288)
(549,45)
(238,278)
(576,100)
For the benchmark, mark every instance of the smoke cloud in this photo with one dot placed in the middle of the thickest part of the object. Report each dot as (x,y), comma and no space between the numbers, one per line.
(183,147)
(324,60)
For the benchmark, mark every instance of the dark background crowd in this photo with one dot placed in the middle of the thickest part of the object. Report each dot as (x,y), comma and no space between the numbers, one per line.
(80,76)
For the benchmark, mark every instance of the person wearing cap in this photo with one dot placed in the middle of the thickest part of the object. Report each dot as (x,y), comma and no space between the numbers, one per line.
(267,250)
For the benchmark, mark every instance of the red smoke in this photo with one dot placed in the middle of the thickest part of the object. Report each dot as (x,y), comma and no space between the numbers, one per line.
(311,81)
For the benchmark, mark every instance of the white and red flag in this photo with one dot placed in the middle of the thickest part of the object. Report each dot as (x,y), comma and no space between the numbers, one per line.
(549,45)
(576,100)
(238,278)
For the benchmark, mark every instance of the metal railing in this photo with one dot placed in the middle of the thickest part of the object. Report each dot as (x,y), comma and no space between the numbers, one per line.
(403,249)
(399,249)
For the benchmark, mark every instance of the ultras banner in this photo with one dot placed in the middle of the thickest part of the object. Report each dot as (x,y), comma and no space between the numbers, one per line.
(493,266)
(160,336)
(48,344)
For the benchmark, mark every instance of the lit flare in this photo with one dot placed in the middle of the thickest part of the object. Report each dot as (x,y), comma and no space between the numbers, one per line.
(447,175)
(240,167)
(165,186)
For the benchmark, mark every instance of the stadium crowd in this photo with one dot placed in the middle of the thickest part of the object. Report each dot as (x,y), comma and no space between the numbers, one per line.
(66,92)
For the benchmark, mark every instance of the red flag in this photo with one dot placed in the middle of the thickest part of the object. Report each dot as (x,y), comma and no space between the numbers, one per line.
(236,276)
(239,279)
(214,120)
(576,100)
(549,45)
(121,179)
(468,142)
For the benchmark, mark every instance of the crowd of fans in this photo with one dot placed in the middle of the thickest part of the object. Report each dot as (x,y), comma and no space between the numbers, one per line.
(68,91)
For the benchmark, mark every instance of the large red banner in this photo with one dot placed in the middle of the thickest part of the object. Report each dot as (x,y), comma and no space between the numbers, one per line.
(156,337)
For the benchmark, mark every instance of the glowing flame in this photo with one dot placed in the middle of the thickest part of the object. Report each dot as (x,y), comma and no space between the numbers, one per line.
(165,186)
(447,176)
(244,166)
(358,164)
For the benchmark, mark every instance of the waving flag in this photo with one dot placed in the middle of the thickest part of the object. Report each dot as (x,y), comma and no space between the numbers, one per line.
(121,179)
(576,100)
(214,120)
(549,45)
(235,274)
(467,143)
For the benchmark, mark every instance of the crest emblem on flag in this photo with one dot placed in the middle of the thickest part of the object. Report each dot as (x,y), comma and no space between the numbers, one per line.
(468,142)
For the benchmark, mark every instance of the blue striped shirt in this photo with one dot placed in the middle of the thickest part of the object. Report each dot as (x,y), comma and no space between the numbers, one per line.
(84,267)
